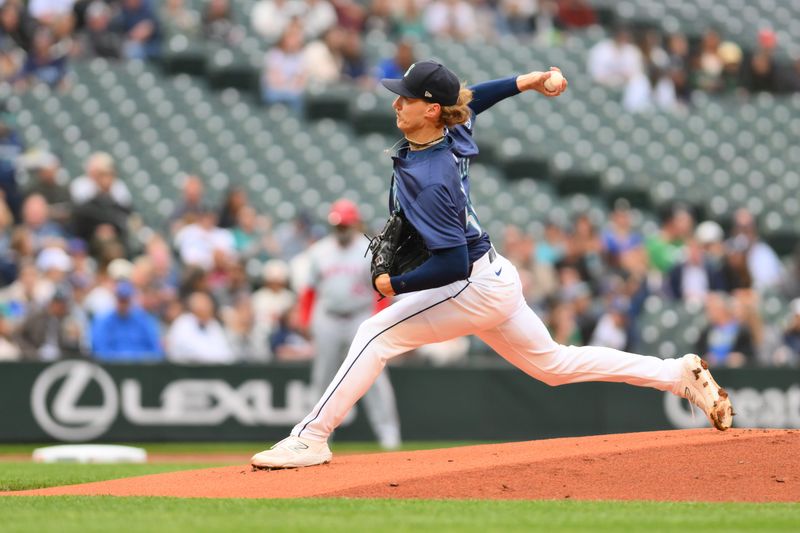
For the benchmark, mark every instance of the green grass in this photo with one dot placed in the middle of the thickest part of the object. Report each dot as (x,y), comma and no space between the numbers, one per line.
(104,513)
(245,448)
(100,513)
(16,475)
(23,476)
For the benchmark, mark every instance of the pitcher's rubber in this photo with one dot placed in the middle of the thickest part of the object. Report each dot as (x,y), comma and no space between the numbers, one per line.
(693,465)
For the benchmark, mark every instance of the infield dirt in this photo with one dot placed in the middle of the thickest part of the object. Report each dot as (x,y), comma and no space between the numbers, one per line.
(752,465)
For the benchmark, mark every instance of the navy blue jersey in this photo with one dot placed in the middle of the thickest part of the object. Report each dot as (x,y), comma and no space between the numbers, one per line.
(431,188)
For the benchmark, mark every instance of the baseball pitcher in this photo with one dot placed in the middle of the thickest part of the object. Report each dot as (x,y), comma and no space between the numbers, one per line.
(459,285)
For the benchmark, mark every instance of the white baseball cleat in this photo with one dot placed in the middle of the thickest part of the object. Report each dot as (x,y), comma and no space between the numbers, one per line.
(293,452)
(699,387)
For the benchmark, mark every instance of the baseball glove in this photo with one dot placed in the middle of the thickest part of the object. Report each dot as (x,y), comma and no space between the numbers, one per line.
(397,249)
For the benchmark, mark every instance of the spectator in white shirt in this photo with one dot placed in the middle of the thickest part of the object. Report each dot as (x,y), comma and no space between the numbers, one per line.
(323,57)
(318,16)
(197,337)
(451,18)
(53,265)
(763,263)
(648,92)
(654,87)
(99,165)
(697,275)
(611,329)
(285,73)
(55,14)
(248,341)
(274,299)
(197,243)
(44,10)
(270,18)
(614,62)
(519,16)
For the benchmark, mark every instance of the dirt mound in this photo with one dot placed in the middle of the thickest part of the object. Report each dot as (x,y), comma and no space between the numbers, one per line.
(695,465)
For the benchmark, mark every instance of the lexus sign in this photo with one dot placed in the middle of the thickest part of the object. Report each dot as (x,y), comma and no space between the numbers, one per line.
(57,406)
(63,418)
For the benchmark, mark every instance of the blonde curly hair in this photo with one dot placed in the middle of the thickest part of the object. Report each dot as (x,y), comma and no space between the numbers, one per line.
(459,113)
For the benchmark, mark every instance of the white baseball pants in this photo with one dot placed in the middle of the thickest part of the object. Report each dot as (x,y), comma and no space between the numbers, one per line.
(490,305)
(332,335)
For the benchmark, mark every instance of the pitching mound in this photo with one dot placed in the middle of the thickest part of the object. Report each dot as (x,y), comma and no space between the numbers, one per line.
(696,465)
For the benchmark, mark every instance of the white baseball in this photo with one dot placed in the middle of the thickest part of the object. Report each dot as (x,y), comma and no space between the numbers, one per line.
(553,83)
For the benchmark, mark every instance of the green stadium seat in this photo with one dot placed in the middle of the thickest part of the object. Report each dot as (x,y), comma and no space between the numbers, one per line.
(228,68)
(182,55)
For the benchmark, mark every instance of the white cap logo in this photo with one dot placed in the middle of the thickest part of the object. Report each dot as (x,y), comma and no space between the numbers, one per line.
(410,69)
(428,94)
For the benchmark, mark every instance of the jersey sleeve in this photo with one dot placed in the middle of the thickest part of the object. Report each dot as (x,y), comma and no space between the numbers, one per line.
(487,94)
(439,217)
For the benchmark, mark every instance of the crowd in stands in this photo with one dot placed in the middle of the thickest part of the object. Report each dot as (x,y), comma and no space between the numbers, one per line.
(39,38)
(652,70)
(75,281)
(591,282)
(656,71)
(79,277)
(321,42)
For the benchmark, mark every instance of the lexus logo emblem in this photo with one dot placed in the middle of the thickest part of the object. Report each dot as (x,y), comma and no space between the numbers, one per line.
(62,417)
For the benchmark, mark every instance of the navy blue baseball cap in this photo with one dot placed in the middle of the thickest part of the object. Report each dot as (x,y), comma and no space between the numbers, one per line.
(428,80)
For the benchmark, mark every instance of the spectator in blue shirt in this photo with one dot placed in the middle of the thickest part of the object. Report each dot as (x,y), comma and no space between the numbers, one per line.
(46,62)
(619,236)
(354,62)
(394,67)
(128,333)
(138,24)
(727,340)
(36,219)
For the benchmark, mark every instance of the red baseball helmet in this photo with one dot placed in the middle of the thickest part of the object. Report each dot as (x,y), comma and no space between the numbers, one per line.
(344,213)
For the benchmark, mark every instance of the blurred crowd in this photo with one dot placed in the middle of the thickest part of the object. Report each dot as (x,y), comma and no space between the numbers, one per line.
(77,278)
(322,42)
(591,283)
(319,42)
(307,41)
(81,276)
(221,284)
(657,71)
(39,38)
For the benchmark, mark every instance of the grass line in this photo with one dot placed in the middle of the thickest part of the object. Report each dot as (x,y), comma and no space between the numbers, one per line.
(245,448)
(86,514)
(25,476)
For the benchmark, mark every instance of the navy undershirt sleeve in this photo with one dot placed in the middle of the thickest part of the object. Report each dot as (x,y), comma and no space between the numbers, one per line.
(442,267)
(486,94)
